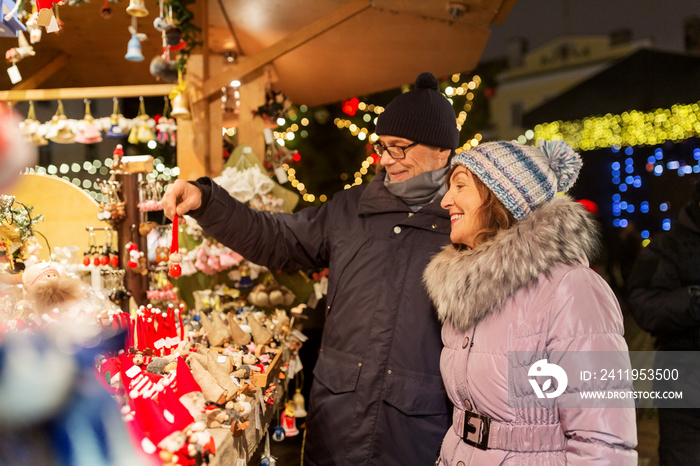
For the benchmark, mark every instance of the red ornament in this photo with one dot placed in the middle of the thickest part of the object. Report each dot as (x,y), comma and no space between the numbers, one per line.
(114,261)
(175,257)
(96,260)
(104,260)
(350,106)
(86,261)
(175,270)
(131,264)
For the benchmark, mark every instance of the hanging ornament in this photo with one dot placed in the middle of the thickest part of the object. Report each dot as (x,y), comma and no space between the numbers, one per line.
(299,405)
(288,420)
(278,434)
(115,129)
(31,130)
(22,51)
(13,73)
(60,130)
(133,50)
(163,124)
(88,132)
(45,15)
(267,459)
(175,256)
(140,132)
(178,98)
(161,23)
(106,10)
(91,248)
(162,67)
(137,8)
(33,27)
(134,255)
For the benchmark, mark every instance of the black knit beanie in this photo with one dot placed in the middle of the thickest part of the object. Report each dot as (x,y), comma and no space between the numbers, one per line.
(422,115)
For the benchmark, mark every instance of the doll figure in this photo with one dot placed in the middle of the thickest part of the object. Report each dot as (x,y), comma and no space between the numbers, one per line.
(288,420)
(48,287)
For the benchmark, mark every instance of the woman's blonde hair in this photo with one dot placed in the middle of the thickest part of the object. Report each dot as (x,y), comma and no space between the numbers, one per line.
(492,213)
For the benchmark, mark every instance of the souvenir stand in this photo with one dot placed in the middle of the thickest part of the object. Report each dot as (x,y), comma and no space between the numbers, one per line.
(209,339)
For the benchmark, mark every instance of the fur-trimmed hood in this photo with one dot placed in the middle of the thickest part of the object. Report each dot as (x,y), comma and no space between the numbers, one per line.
(467,285)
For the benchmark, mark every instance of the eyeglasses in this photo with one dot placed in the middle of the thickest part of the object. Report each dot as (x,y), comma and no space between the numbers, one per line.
(395,152)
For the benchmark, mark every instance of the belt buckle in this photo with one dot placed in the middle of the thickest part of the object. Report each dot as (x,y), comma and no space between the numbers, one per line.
(476,435)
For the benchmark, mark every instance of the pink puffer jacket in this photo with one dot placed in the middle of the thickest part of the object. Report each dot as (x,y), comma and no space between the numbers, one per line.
(529,289)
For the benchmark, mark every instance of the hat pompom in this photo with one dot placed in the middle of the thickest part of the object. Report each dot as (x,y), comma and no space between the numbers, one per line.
(426,81)
(563,161)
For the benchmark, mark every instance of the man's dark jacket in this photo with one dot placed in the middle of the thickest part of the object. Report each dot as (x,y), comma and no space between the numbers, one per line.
(377,396)
(659,294)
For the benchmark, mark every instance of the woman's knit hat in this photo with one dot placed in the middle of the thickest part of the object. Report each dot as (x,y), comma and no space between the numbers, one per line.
(422,115)
(523,177)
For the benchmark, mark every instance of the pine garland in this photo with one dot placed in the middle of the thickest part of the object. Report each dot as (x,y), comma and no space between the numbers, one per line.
(190,32)
(23,220)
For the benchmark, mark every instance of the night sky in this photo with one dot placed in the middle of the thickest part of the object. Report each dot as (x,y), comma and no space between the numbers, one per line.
(540,21)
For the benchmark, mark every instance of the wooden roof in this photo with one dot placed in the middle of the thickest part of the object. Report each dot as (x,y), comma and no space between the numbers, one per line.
(321,50)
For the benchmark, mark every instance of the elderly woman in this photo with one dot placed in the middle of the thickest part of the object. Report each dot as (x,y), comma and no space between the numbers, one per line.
(516,281)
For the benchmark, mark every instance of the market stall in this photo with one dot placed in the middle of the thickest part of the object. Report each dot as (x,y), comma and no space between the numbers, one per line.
(184,310)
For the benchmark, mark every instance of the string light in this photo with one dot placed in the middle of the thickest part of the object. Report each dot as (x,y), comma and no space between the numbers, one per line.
(634,128)
(97,167)
(368,113)
(630,130)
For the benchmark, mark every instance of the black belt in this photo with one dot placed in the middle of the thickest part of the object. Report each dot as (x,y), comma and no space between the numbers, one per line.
(480,431)
(476,429)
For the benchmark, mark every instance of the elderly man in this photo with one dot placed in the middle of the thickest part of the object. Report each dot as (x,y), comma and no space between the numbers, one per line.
(377,396)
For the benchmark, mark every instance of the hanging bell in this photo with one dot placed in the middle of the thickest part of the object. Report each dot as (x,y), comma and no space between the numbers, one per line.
(133,52)
(87,131)
(134,135)
(299,406)
(145,134)
(137,8)
(278,434)
(288,421)
(180,107)
(115,130)
(89,134)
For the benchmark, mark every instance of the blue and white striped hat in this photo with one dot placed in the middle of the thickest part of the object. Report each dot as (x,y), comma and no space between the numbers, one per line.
(523,177)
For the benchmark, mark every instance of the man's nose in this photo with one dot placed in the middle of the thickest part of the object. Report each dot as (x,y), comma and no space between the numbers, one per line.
(386,159)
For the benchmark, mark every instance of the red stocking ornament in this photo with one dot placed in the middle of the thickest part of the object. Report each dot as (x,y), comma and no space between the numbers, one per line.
(175,256)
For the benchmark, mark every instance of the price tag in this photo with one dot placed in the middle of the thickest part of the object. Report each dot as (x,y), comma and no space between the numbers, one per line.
(44,17)
(269,140)
(53,25)
(15,77)
(281,175)
(133,371)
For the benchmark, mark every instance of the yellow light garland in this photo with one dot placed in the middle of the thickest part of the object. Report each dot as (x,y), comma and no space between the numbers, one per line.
(634,128)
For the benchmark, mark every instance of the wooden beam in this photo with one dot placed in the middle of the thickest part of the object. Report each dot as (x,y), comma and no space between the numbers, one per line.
(43,74)
(503,12)
(79,93)
(251,128)
(247,65)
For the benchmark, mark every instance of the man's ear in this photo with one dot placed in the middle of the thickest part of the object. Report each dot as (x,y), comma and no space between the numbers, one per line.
(443,156)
